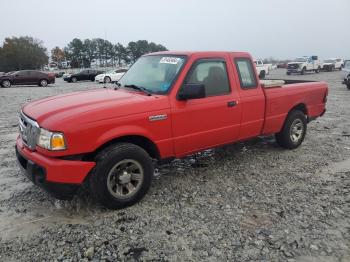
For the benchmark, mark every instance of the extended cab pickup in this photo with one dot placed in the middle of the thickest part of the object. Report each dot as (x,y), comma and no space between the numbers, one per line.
(168,105)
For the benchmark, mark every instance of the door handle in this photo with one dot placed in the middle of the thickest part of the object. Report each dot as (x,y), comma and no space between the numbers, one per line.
(231,103)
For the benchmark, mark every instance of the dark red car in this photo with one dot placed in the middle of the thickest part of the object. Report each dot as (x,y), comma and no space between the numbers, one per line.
(27,77)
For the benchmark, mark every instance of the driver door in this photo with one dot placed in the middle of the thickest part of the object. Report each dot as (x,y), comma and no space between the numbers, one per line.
(210,121)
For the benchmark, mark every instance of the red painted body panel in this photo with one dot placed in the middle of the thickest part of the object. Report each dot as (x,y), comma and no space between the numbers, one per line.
(57,170)
(92,118)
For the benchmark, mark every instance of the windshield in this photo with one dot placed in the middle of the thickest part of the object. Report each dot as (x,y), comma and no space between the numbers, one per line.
(156,73)
(329,61)
(300,59)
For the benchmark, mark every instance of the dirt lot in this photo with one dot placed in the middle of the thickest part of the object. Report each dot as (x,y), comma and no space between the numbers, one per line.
(249,201)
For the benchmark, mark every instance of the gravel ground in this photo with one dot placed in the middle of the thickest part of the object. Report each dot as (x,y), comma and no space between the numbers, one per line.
(250,201)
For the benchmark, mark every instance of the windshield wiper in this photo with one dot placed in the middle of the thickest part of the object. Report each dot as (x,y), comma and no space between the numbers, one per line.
(145,90)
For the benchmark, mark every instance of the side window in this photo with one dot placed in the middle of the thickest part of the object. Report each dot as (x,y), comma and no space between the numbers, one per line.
(246,73)
(212,74)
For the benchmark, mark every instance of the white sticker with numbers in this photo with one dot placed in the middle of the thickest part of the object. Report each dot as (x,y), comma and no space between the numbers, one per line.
(170,60)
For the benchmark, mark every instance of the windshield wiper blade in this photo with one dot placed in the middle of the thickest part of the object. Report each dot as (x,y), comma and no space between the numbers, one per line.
(145,90)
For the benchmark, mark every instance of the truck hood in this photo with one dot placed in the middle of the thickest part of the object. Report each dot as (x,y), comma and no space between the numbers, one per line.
(91,106)
(295,63)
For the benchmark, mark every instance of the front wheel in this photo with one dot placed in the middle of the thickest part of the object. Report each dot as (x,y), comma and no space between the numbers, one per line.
(293,131)
(6,84)
(122,175)
(303,71)
(74,79)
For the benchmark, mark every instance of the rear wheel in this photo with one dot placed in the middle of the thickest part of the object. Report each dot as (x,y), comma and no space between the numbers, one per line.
(293,131)
(107,79)
(288,73)
(317,70)
(122,175)
(43,83)
(74,79)
(303,71)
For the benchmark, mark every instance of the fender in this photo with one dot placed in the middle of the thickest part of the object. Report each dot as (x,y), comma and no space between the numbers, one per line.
(120,131)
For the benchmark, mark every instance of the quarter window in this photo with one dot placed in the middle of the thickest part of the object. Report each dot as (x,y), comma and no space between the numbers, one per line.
(246,73)
(212,74)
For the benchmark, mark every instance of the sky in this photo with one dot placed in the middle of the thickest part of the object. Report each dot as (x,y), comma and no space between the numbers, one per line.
(265,28)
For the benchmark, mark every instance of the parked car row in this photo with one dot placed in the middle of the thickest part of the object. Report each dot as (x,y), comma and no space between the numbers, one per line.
(96,75)
(304,64)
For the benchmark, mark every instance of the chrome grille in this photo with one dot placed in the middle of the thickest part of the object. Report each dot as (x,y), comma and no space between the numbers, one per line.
(29,131)
(293,66)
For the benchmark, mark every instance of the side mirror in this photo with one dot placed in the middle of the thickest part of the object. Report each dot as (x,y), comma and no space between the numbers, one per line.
(191,91)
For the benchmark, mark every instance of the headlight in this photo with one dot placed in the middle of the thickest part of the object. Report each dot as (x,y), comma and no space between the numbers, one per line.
(51,140)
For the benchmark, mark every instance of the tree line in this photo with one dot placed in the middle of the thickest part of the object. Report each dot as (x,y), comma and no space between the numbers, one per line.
(101,52)
(19,53)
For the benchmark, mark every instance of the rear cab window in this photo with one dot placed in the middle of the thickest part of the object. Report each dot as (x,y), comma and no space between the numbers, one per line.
(246,73)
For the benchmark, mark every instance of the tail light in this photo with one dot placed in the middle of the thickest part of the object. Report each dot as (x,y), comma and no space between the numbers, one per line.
(325,96)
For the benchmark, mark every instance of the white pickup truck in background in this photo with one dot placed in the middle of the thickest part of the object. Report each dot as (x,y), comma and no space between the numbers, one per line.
(332,64)
(304,64)
(262,70)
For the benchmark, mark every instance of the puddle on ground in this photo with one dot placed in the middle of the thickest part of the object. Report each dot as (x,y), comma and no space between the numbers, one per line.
(13,224)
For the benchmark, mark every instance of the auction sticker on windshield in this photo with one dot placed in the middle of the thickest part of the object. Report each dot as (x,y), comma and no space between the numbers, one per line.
(170,60)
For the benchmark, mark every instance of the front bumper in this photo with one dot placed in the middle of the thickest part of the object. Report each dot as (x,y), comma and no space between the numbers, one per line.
(60,177)
(328,67)
(293,70)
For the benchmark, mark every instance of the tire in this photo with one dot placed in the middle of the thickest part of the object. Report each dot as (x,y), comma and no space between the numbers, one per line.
(43,83)
(288,73)
(348,86)
(262,75)
(108,187)
(6,84)
(107,79)
(303,71)
(317,70)
(293,131)
(74,80)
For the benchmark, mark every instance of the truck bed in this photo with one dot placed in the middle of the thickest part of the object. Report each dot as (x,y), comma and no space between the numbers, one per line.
(282,95)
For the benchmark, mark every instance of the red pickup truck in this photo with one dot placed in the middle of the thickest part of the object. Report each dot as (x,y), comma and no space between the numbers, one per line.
(168,105)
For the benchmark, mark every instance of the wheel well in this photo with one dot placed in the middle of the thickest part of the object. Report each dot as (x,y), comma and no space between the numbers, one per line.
(140,141)
(301,107)
(6,80)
